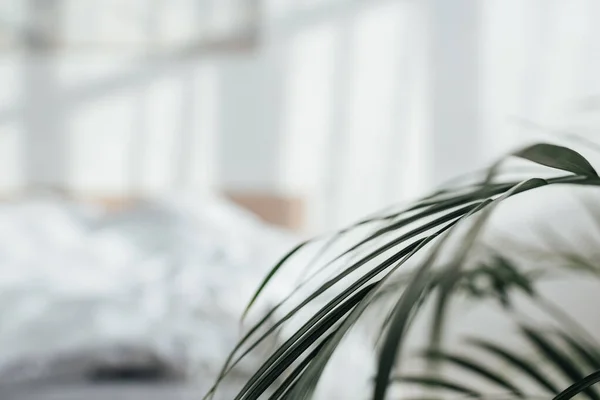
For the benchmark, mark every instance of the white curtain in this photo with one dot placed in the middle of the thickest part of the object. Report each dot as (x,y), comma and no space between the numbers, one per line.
(334,105)
(359,96)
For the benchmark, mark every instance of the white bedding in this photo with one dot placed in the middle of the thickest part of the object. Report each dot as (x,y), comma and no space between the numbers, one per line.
(167,279)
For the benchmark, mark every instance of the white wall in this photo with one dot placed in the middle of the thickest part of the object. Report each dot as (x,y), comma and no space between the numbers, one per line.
(104,125)
(350,104)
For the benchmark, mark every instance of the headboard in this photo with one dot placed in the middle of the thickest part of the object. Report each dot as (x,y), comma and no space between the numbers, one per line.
(282,211)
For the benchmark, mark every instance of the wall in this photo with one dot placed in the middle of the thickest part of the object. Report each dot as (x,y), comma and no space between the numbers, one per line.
(351,105)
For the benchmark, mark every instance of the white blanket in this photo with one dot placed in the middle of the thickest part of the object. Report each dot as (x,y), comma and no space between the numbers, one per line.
(166,279)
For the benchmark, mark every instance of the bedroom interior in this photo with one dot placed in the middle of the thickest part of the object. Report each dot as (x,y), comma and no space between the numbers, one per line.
(158,157)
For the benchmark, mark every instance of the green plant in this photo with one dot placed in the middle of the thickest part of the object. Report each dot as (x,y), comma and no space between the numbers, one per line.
(561,356)
(560,352)
(370,270)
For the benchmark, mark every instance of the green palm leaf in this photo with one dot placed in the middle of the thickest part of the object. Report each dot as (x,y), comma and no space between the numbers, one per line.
(477,368)
(519,363)
(578,387)
(311,346)
(555,356)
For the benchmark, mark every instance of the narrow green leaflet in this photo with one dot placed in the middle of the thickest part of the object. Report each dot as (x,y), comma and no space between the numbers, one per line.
(562,362)
(558,157)
(522,364)
(477,368)
(578,387)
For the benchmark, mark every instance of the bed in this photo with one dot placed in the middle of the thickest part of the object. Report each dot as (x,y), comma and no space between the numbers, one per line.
(140,300)
(112,392)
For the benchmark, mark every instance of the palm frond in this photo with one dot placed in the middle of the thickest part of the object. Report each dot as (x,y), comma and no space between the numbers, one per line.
(430,221)
(516,364)
(519,363)
(563,362)
(478,368)
(586,353)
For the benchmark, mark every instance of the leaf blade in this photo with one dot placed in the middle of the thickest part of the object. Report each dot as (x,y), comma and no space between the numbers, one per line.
(578,387)
(557,157)
(516,361)
(477,368)
(554,355)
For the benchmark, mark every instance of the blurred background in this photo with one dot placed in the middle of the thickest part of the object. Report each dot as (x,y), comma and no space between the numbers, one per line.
(328,109)
(309,114)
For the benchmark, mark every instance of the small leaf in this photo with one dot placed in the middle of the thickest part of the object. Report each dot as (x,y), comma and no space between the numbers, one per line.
(558,157)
